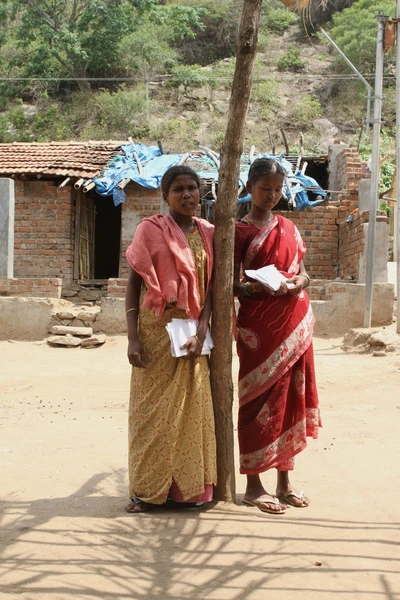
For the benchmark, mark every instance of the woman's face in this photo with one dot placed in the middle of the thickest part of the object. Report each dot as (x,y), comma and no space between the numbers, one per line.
(266,191)
(183,196)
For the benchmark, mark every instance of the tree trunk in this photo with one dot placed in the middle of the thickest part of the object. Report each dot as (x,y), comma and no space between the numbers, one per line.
(225,212)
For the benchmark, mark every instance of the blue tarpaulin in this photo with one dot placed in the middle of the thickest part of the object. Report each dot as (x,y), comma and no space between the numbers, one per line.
(153,164)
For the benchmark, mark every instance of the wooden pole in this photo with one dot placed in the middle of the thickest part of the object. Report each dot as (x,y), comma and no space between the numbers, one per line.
(225,212)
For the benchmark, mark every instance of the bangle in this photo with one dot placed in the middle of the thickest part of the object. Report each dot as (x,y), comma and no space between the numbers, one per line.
(130,310)
(198,341)
(308,280)
(246,290)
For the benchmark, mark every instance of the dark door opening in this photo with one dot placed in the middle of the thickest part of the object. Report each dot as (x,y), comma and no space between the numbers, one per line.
(107,238)
(318,169)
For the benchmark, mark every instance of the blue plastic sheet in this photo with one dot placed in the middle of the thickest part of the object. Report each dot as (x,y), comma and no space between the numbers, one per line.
(154,164)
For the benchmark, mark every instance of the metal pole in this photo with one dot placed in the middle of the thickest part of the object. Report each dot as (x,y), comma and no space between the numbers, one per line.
(397,224)
(376,136)
(365,82)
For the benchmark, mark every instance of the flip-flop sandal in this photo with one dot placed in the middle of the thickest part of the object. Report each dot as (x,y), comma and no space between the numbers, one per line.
(263,505)
(136,503)
(287,499)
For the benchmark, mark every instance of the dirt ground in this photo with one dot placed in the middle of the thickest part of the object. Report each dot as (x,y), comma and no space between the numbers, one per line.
(64,534)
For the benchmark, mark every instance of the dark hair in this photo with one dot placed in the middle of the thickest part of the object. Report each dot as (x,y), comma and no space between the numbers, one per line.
(264,166)
(172,173)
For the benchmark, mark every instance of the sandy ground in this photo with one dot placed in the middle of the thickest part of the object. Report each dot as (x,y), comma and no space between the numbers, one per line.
(63,476)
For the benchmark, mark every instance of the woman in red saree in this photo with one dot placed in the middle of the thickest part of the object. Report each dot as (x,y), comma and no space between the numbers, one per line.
(278,400)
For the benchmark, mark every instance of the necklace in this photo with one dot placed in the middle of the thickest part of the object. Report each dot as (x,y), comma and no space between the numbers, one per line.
(254,225)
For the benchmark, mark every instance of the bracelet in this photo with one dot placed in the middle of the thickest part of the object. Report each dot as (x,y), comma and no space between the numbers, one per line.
(308,280)
(246,288)
(130,310)
(198,341)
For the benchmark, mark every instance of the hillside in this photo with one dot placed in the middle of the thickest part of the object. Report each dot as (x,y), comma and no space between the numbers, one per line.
(299,87)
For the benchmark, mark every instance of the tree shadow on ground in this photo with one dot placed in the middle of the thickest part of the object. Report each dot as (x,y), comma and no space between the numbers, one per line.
(84,546)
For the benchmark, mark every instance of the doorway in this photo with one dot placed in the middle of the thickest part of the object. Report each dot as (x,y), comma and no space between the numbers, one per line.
(97,237)
(107,238)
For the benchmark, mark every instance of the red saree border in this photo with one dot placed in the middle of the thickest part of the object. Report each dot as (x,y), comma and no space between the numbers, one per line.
(290,443)
(258,241)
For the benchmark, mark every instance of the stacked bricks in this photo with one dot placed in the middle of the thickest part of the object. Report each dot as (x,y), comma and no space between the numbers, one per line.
(140,203)
(349,172)
(316,289)
(116,288)
(351,245)
(36,288)
(44,230)
(319,230)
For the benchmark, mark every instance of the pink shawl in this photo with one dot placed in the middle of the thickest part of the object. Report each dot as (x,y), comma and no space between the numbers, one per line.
(161,255)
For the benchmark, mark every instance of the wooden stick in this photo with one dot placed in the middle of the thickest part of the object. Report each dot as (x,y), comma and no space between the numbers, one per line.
(285,142)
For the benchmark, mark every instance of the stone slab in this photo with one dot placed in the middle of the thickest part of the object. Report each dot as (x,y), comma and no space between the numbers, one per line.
(112,317)
(68,341)
(94,341)
(68,330)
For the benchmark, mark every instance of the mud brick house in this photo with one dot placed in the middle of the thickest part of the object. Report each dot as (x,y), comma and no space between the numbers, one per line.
(61,232)
(66,232)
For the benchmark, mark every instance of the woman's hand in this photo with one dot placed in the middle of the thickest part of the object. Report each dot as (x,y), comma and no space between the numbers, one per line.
(193,347)
(257,286)
(136,353)
(299,282)
(283,289)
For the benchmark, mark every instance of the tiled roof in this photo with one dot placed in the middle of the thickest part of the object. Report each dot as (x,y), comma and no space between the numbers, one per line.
(63,159)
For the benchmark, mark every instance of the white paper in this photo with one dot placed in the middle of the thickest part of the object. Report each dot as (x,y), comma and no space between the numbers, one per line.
(269,276)
(180,330)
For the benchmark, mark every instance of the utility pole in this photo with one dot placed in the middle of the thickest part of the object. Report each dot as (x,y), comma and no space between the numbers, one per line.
(364,81)
(376,138)
(397,224)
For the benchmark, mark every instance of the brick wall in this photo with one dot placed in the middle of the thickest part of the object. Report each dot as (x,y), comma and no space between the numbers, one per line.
(44,229)
(319,230)
(351,245)
(349,172)
(32,287)
(140,202)
(116,288)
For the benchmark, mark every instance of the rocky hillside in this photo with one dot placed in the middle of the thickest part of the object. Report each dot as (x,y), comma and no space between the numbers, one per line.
(297,88)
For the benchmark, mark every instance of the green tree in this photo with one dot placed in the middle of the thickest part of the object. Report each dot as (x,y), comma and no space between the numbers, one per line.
(83,37)
(354,30)
(146,53)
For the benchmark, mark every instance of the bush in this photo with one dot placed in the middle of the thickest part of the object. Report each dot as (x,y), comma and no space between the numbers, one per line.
(279,19)
(176,133)
(117,111)
(265,92)
(291,60)
(189,77)
(307,109)
(221,74)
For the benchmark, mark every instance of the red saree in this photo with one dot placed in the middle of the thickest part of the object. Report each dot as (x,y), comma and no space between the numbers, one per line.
(278,400)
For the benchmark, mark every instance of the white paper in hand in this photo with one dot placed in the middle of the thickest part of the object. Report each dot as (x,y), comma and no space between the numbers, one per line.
(268,276)
(180,330)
